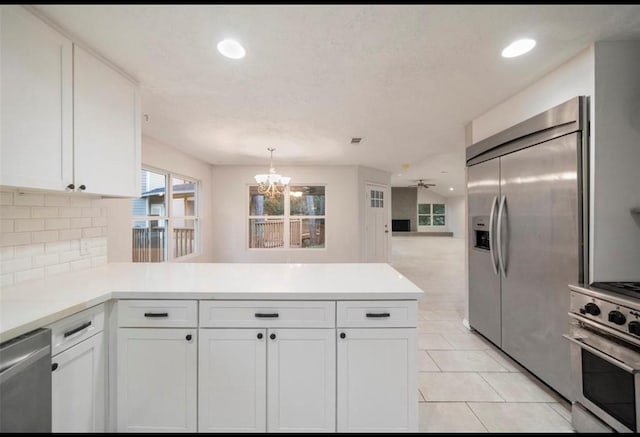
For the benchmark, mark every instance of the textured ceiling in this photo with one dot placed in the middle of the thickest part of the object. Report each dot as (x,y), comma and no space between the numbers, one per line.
(405,78)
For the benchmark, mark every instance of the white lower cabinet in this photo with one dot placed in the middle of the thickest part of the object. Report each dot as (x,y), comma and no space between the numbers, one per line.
(301,380)
(157,380)
(377,380)
(276,380)
(232,380)
(78,387)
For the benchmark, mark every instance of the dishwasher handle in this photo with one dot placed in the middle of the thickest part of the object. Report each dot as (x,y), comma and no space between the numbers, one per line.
(14,367)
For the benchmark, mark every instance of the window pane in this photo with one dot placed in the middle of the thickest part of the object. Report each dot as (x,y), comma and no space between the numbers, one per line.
(152,200)
(307,200)
(307,233)
(260,204)
(183,202)
(424,220)
(424,208)
(438,208)
(266,233)
(184,237)
(149,241)
(438,220)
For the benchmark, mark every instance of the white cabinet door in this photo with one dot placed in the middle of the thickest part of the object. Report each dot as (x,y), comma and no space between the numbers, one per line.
(377,380)
(106,128)
(301,380)
(232,380)
(36,103)
(157,374)
(79,387)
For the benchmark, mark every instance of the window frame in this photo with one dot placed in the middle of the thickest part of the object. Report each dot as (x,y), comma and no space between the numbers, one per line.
(286,217)
(169,218)
(431,215)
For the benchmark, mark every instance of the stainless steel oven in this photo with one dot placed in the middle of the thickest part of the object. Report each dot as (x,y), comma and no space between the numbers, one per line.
(605,357)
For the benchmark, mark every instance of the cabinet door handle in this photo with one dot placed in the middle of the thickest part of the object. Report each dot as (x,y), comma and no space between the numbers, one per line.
(272,336)
(373,315)
(54,366)
(188,337)
(71,186)
(82,187)
(266,315)
(78,329)
(343,335)
(156,314)
(259,336)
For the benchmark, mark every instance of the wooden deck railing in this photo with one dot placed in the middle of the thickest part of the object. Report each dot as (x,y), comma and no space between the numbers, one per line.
(149,243)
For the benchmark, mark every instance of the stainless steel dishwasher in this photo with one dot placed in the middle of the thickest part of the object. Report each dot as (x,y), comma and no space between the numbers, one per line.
(25,383)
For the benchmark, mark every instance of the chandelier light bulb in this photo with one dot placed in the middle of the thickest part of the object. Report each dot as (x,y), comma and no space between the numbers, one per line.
(271,184)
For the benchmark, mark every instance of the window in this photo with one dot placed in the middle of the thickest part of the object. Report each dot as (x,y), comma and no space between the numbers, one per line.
(377,199)
(431,214)
(295,219)
(165,217)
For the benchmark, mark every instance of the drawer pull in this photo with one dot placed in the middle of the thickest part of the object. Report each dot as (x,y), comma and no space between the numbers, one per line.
(266,315)
(156,314)
(78,329)
(378,315)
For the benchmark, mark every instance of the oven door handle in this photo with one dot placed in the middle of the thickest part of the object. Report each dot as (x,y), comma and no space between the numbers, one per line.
(596,352)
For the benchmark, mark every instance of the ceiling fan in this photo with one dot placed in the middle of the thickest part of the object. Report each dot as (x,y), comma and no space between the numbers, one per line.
(421,184)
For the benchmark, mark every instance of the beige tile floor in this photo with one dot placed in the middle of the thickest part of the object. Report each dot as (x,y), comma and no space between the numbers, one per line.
(466,384)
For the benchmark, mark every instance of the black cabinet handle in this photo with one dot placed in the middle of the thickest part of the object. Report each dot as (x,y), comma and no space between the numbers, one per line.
(266,315)
(378,315)
(156,314)
(54,366)
(272,336)
(343,335)
(71,186)
(78,329)
(188,337)
(82,187)
(260,336)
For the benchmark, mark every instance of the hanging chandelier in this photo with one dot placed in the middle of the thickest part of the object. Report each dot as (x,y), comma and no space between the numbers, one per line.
(271,184)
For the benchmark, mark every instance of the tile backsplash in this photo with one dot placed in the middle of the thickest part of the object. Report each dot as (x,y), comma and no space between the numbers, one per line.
(47,234)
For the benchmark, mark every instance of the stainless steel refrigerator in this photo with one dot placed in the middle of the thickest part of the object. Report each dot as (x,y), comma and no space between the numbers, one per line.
(527,211)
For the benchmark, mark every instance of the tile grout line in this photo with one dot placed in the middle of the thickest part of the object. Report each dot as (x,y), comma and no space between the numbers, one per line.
(476,416)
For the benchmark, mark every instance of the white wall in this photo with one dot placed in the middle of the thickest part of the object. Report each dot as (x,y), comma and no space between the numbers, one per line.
(230,209)
(456,216)
(573,78)
(162,156)
(615,232)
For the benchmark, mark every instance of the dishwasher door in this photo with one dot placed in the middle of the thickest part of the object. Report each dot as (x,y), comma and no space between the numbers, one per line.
(25,383)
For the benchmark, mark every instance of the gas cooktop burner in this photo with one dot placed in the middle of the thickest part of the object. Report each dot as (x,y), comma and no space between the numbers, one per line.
(628,288)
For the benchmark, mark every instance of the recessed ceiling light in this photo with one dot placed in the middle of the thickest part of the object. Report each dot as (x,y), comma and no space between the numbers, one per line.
(450,188)
(519,47)
(231,49)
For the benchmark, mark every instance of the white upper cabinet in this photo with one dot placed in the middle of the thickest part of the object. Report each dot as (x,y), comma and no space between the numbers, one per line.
(36,103)
(69,120)
(106,130)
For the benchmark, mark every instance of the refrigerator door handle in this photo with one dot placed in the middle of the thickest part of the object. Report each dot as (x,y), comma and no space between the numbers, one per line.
(499,237)
(494,261)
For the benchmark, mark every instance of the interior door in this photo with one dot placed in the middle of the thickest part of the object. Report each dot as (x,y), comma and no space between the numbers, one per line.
(377,224)
(483,189)
(540,243)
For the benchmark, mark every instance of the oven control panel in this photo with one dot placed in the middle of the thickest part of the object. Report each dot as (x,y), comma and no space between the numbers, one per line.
(611,314)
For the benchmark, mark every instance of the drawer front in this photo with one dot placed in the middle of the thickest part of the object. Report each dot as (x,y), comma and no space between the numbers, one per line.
(376,314)
(267,314)
(72,330)
(157,313)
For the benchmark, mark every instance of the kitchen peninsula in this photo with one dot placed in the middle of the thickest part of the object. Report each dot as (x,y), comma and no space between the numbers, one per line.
(228,347)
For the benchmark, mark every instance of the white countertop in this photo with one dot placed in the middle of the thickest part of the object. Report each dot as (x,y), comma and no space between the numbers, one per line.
(30,305)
